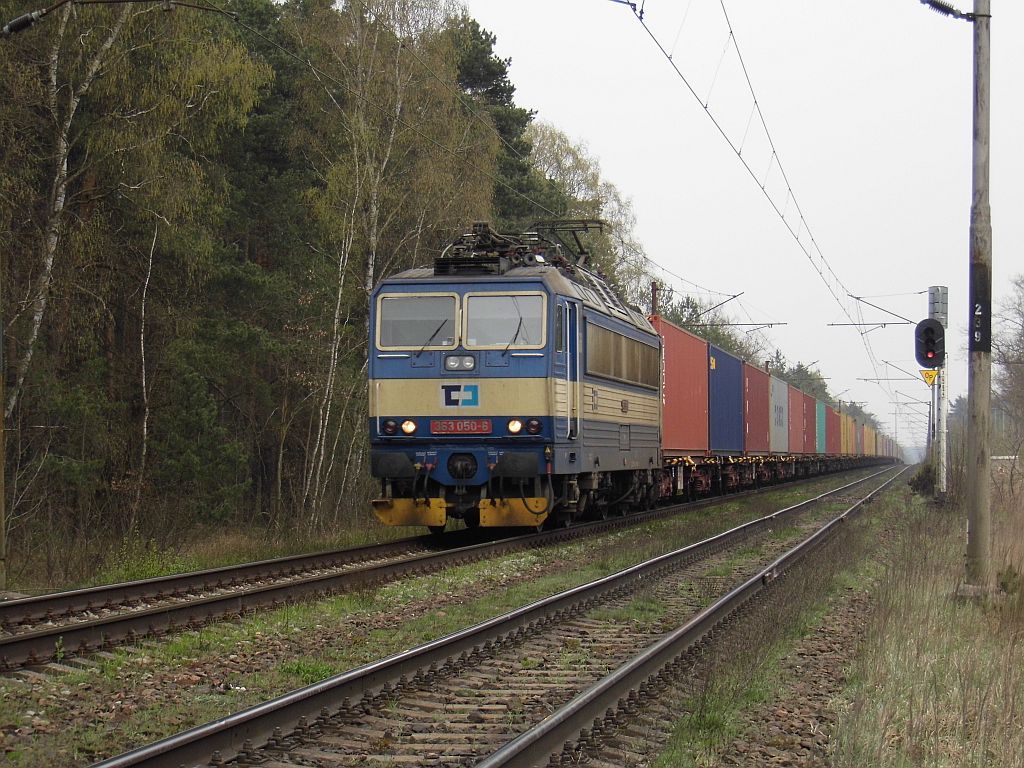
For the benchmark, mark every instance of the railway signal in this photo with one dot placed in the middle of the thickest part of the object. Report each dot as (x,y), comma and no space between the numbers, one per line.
(930,343)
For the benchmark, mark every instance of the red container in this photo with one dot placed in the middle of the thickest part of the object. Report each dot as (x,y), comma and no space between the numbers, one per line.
(833,432)
(684,414)
(810,424)
(796,420)
(756,388)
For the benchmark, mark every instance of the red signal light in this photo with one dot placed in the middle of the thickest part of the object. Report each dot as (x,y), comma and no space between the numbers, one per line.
(929,343)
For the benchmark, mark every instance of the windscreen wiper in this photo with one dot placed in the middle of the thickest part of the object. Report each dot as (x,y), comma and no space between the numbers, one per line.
(514,336)
(427,342)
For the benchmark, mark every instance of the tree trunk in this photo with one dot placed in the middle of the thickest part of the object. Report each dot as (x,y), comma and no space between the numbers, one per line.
(133,520)
(55,208)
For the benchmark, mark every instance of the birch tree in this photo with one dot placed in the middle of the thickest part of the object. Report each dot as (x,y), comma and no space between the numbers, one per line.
(128,101)
(398,163)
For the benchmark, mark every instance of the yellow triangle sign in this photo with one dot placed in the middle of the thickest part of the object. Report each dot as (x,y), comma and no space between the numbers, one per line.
(929,377)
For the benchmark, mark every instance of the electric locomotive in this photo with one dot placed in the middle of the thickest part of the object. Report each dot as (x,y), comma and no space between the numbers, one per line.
(510,386)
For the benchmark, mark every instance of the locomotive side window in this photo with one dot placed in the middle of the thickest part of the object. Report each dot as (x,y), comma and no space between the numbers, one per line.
(504,321)
(615,356)
(407,321)
(559,329)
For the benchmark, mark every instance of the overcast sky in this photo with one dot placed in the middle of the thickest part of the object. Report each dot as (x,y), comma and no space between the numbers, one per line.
(869,108)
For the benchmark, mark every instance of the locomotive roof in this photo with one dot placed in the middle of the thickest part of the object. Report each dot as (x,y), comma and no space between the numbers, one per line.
(586,286)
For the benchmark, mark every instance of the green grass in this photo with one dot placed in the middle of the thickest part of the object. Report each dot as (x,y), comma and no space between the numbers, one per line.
(736,558)
(135,559)
(307,670)
(644,611)
(784,532)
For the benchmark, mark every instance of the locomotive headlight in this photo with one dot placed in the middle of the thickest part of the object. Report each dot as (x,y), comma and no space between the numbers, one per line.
(515,426)
(409,426)
(390,427)
(459,363)
(533,426)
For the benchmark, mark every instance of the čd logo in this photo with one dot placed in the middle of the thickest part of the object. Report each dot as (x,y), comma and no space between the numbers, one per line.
(453,395)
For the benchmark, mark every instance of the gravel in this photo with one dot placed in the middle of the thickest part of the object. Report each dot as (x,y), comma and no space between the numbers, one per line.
(794,729)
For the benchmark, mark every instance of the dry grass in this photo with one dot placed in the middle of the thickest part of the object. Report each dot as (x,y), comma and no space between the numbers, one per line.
(940,681)
(100,560)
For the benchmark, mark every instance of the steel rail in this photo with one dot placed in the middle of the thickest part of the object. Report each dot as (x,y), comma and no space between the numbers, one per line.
(46,606)
(256,725)
(52,604)
(564,726)
(81,637)
(70,639)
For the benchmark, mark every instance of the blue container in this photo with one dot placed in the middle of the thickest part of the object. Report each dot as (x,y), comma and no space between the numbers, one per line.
(820,426)
(725,402)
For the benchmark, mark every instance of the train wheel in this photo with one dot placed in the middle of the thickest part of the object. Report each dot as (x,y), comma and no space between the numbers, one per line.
(651,497)
(436,530)
(560,518)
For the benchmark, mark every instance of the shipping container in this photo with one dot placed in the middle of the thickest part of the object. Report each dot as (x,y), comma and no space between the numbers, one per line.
(725,401)
(869,440)
(833,432)
(779,427)
(796,420)
(847,426)
(820,444)
(810,424)
(684,414)
(756,406)
(858,439)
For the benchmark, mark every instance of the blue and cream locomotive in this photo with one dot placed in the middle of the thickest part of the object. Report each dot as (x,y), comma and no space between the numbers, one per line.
(509,386)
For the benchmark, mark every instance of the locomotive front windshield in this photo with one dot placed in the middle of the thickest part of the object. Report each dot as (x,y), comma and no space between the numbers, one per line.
(504,320)
(416,322)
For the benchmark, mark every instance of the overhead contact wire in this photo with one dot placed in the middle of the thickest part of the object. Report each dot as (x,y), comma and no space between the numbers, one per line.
(819,263)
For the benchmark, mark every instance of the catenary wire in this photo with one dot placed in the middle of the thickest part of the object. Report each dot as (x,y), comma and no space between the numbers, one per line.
(811,249)
(490,176)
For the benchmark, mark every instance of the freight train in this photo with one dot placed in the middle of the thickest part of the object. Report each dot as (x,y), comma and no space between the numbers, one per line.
(509,385)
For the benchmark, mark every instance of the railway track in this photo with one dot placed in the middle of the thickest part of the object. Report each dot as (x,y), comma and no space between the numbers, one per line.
(481,694)
(64,625)
(614,722)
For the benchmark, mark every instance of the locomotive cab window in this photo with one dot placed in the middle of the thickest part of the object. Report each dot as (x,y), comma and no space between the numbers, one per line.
(504,321)
(416,321)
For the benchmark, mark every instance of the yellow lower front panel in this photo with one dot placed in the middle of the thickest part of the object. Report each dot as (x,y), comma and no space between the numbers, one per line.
(529,512)
(411,511)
